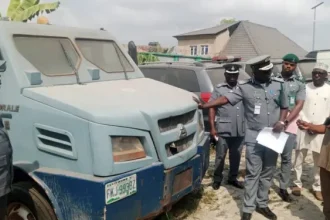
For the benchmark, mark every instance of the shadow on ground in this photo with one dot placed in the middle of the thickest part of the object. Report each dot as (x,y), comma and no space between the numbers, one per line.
(186,206)
(304,206)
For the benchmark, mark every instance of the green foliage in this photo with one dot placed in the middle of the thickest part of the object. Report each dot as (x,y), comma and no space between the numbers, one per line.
(24,10)
(228,21)
(146,57)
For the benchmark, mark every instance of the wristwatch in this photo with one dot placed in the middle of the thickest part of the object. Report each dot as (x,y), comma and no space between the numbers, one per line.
(283,123)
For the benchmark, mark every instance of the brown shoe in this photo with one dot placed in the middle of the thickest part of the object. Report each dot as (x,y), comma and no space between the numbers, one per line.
(296,191)
(318,195)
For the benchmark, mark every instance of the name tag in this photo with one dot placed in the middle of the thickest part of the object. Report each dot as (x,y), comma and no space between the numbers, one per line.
(292,100)
(257,109)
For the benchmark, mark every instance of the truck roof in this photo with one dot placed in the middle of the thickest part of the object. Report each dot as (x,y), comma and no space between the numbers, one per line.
(21,28)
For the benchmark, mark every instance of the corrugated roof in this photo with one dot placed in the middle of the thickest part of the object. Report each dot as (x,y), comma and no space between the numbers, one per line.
(250,40)
(208,31)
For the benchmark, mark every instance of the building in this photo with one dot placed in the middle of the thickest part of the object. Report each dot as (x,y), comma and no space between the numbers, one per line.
(242,38)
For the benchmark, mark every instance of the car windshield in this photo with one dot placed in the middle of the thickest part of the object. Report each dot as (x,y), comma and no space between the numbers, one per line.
(181,78)
(104,54)
(217,75)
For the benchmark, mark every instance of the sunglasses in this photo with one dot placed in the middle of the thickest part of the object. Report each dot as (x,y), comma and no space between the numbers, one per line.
(289,64)
(318,72)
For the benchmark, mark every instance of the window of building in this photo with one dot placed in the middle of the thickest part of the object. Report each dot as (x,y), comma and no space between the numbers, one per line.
(204,50)
(193,50)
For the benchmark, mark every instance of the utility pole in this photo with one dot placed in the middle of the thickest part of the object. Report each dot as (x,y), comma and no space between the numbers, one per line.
(314,8)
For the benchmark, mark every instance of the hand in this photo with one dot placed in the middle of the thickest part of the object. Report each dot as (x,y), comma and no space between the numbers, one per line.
(302,125)
(213,134)
(199,102)
(278,127)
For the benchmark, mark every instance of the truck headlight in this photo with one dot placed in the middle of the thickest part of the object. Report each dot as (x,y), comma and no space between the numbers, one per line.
(126,148)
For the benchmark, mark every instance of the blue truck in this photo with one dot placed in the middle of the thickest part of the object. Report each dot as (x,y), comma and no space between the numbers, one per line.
(92,138)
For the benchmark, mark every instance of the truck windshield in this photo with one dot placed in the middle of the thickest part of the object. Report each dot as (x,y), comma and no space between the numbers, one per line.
(46,54)
(104,54)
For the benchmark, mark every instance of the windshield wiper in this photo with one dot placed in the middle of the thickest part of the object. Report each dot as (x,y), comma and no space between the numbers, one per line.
(121,62)
(70,63)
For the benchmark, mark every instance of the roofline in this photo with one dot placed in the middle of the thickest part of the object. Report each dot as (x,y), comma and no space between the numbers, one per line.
(189,35)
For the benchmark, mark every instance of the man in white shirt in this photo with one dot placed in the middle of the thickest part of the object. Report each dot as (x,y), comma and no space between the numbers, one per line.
(316,106)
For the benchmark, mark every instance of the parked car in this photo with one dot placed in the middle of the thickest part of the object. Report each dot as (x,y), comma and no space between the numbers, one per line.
(304,68)
(216,73)
(320,56)
(303,71)
(197,77)
(190,76)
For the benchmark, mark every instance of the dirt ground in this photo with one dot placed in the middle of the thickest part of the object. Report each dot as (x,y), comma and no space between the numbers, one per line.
(226,202)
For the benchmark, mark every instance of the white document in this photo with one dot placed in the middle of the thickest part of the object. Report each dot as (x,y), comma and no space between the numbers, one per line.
(272,140)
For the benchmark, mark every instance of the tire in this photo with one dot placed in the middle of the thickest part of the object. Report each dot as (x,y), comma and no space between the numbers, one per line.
(25,196)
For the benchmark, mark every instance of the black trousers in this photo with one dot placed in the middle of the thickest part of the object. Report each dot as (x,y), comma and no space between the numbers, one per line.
(234,145)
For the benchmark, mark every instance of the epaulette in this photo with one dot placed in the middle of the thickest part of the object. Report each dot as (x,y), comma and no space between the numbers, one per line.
(220,84)
(277,79)
(242,82)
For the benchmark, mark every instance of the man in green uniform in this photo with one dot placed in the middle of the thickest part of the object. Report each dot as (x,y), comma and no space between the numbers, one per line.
(296,92)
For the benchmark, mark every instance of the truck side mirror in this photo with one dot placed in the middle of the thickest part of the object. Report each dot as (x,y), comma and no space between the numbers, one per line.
(3,66)
(132,51)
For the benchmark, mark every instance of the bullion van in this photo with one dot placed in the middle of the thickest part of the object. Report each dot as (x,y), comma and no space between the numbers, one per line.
(92,138)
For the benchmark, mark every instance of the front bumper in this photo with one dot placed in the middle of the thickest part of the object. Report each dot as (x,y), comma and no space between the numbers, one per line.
(77,196)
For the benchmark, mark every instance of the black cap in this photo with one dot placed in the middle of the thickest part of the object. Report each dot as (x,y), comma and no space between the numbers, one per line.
(261,62)
(231,68)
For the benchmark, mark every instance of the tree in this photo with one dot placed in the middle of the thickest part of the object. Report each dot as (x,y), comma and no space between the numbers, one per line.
(24,10)
(228,21)
(146,58)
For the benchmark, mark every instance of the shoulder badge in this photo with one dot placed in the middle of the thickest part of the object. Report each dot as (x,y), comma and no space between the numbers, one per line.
(277,79)
(241,82)
(220,84)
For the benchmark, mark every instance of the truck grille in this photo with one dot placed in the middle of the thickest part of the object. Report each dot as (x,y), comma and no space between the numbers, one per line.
(176,147)
(171,123)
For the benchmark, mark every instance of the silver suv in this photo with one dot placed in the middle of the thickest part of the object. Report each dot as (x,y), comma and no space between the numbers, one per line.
(196,77)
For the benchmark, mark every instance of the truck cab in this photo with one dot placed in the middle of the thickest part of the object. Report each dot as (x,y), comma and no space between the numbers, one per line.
(92,138)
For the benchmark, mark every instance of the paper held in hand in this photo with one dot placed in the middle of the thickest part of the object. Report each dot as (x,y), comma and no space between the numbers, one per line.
(272,140)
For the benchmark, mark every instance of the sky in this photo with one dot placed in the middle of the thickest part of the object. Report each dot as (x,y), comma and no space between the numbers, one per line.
(159,20)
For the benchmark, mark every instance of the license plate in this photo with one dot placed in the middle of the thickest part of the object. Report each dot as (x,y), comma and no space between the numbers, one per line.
(120,189)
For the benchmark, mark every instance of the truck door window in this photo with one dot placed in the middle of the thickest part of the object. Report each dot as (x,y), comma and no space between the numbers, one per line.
(47,55)
(105,55)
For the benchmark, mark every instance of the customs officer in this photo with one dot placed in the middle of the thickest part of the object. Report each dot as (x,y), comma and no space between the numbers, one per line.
(296,95)
(266,105)
(229,130)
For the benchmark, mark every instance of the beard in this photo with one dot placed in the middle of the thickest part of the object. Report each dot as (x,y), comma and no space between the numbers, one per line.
(287,73)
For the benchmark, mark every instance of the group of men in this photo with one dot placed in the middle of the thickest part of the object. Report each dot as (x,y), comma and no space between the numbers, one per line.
(241,109)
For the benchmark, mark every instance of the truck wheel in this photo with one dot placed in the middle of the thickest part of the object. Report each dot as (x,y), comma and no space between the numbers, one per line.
(26,203)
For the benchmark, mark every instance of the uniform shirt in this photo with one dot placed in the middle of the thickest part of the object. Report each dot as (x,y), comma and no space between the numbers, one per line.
(262,104)
(296,90)
(316,106)
(230,118)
